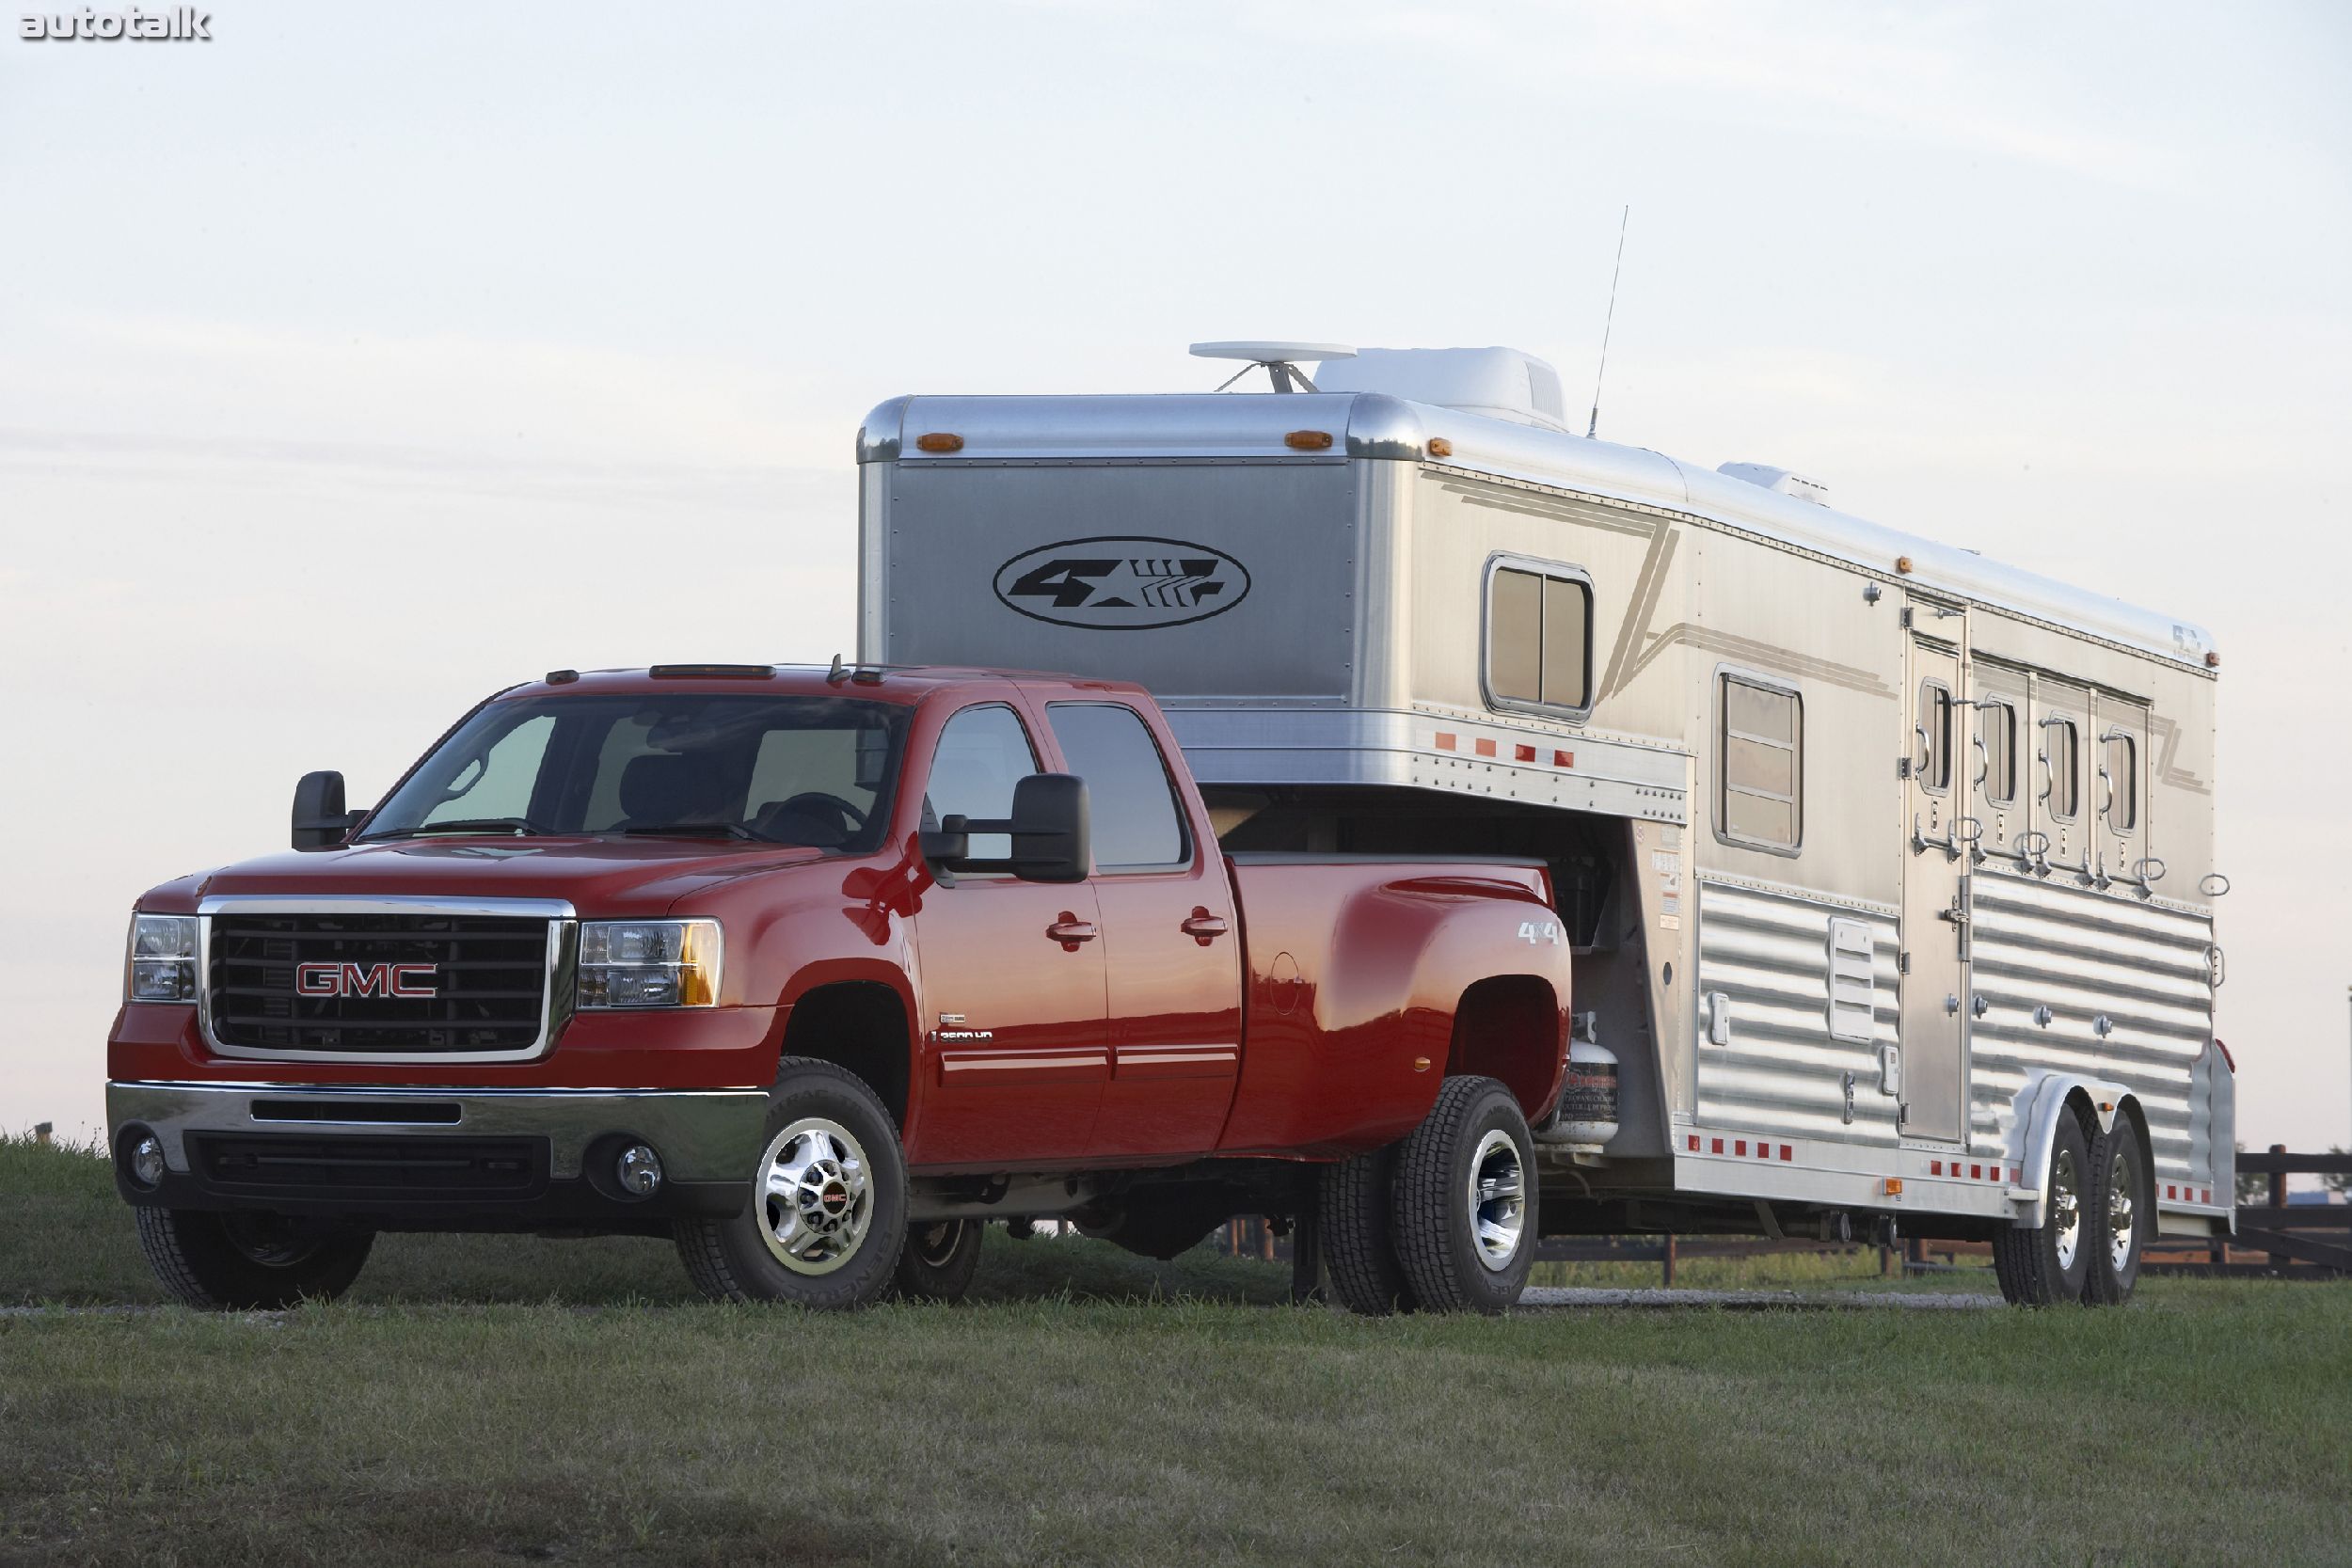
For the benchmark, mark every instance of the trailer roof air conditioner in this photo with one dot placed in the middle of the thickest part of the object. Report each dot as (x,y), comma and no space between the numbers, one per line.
(1499,383)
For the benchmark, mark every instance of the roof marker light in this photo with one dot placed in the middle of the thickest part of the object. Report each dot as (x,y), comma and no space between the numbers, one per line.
(1441,447)
(1902,564)
(939,440)
(1307,440)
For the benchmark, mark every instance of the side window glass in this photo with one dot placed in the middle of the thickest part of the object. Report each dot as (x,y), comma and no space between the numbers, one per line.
(500,782)
(2123,784)
(1137,825)
(1762,779)
(1935,737)
(1539,639)
(982,753)
(2000,753)
(2065,754)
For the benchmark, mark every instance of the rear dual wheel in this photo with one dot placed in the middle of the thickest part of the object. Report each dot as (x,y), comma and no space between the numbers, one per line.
(1444,1221)
(2097,1213)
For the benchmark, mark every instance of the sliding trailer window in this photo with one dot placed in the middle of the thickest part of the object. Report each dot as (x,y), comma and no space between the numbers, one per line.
(2121,771)
(1999,717)
(1759,731)
(1539,638)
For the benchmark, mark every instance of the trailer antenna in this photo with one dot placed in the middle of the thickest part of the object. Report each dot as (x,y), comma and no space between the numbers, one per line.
(1593,424)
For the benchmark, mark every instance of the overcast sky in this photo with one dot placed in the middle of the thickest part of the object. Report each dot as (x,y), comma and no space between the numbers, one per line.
(365,359)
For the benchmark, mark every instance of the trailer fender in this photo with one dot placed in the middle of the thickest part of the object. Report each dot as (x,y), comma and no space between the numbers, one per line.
(2033,1129)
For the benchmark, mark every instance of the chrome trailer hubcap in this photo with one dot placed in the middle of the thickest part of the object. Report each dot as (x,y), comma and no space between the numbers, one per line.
(1498,1200)
(2066,1207)
(817,1198)
(2120,1217)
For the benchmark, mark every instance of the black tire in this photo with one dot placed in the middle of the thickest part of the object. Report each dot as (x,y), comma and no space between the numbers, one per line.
(940,1259)
(1359,1242)
(1447,1242)
(246,1262)
(2122,1213)
(2035,1267)
(846,1227)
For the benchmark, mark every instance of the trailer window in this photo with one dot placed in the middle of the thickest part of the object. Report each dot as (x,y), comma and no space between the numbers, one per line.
(1539,639)
(1137,825)
(2000,753)
(2123,775)
(1762,777)
(1934,737)
(2063,751)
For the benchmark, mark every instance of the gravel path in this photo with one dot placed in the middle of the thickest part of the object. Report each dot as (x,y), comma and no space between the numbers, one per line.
(1554,1297)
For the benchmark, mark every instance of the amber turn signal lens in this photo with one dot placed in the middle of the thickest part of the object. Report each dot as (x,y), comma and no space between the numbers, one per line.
(938,440)
(1902,563)
(1893,1186)
(1441,447)
(2213,661)
(1307,440)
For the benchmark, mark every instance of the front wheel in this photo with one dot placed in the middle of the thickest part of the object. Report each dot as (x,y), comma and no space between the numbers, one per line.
(826,1218)
(1463,1200)
(246,1262)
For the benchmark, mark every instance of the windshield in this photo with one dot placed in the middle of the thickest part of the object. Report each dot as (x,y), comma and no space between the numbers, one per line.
(807,770)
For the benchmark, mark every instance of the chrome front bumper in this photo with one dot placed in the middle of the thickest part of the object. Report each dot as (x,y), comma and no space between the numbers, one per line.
(703,1134)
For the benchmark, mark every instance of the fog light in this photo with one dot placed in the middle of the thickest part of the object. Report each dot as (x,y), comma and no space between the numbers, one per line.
(147,1161)
(638,1170)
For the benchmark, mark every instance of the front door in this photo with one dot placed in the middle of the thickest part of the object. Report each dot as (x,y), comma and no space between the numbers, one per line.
(1938,835)
(1010,975)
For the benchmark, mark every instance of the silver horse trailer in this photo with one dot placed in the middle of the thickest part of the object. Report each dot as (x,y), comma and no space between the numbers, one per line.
(1888,871)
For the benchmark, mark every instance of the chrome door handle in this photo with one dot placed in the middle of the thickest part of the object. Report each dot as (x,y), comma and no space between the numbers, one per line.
(1202,926)
(1070,931)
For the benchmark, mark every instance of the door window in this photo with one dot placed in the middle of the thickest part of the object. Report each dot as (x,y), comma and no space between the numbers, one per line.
(1935,737)
(2063,751)
(982,753)
(1138,825)
(2123,776)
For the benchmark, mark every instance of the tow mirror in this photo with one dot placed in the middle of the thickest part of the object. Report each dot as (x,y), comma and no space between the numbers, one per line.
(320,821)
(1049,826)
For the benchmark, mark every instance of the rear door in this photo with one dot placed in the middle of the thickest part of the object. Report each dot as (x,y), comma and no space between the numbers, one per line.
(1171,936)
(1010,977)
(1938,829)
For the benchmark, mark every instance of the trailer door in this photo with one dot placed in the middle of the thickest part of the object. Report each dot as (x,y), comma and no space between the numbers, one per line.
(1937,832)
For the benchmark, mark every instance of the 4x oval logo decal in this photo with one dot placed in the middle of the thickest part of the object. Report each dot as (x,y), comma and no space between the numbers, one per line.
(1122,583)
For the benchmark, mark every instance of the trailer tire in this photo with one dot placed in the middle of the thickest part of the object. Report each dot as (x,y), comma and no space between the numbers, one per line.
(826,1218)
(1353,1204)
(2122,1213)
(243,1262)
(2051,1266)
(940,1259)
(1464,1198)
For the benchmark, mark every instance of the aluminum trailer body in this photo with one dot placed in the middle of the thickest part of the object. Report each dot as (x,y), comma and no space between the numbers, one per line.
(1876,858)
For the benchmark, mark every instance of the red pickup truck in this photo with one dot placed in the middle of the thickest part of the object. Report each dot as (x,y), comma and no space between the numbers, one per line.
(819,971)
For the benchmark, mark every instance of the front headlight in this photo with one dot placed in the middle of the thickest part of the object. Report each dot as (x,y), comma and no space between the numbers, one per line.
(649,963)
(161,965)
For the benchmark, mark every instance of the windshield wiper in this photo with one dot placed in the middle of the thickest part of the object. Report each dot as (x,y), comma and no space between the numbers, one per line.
(515,825)
(696,830)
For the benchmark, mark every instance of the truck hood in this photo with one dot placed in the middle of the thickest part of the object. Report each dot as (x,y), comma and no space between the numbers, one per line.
(600,877)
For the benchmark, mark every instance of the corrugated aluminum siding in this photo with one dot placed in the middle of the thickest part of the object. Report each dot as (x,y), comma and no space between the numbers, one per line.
(1768,955)
(2082,955)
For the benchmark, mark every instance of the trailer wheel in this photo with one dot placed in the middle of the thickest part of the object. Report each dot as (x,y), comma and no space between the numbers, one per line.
(248,1263)
(1464,1198)
(827,1213)
(2122,1214)
(2052,1265)
(1358,1241)
(940,1259)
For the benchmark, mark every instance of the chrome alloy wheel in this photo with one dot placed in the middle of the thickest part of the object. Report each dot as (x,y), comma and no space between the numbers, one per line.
(817,1196)
(2120,1218)
(1498,1200)
(2066,1207)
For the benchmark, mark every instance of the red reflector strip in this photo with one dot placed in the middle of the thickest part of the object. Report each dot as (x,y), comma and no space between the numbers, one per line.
(1975,1173)
(1486,748)
(1695,1142)
(1524,753)
(1788,1153)
(1763,1151)
(1718,1147)
(1563,759)
(2169,1191)
(1739,1146)
(1445,742)
(2206,1196)
(2016,1174)
(1935,1167)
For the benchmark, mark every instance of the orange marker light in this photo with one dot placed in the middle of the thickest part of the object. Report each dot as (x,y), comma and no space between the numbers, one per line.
(1441,447)
(939,440)
(1902,564)
(1307,440)
(1893,1186)
(1421,1064)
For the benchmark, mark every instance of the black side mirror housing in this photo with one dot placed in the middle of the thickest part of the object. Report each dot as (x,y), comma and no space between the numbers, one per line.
(1052,841)
(320,821)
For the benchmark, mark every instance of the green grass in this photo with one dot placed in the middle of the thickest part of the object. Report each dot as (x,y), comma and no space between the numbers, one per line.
(571,1407)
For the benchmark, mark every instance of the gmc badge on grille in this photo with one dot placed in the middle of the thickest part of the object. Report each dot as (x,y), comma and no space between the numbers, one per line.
(350,979)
